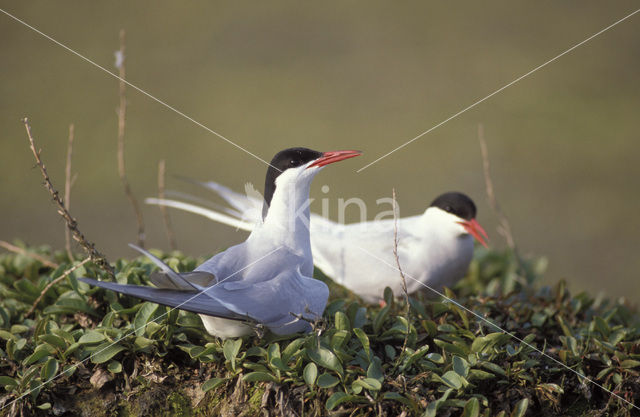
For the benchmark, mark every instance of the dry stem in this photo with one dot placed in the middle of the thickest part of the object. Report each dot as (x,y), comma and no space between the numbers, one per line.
(68,183)
(122,112)
(54,282)
(165,213)
(98,258)
(404,280)
(504,228)
(8,246)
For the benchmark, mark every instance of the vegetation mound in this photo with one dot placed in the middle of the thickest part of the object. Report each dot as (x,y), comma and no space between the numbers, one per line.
(87,351)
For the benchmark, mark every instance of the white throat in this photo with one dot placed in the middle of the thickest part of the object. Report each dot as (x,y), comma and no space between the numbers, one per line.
(287,220)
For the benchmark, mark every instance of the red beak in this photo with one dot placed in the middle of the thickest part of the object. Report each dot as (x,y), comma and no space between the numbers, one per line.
(474,229)
(335,156)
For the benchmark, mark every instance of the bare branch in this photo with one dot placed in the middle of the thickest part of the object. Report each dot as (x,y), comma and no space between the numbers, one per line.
(122,113)
(54,282)
(505,227)
(404,280)
(12,248)
(163,209)
(98,258)
(68,183)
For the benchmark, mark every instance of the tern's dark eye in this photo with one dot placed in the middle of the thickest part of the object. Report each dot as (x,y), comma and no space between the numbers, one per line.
(448,209)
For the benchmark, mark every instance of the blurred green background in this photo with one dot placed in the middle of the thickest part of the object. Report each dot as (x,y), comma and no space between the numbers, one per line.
(563,142)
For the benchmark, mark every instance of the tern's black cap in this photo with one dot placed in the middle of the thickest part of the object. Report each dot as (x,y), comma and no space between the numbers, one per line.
(456,203)
(283,160)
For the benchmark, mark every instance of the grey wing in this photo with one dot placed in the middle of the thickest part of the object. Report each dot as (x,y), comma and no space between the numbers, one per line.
(194,301)
(275,302)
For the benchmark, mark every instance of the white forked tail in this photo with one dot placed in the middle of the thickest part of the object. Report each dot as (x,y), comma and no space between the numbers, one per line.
(208,213)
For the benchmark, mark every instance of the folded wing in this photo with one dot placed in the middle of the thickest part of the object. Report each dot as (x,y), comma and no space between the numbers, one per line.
(194,301)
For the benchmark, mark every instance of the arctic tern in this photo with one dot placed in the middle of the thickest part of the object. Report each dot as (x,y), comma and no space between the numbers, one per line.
(266,280)
(434,248)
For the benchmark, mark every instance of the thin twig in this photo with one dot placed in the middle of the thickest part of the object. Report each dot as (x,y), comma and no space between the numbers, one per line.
(504,227)
(163,209)
(12,248)
(98,258)
(122,113)
(68,183)
(54,282)
(404,280)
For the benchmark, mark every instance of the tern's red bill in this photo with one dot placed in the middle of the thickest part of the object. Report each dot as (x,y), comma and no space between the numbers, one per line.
(475,230)
(334,156)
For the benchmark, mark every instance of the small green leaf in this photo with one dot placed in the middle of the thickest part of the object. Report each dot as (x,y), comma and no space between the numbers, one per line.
(326,358)
(114,367)
(310,374)
(395,396)
(565,329)
(538,319)
(461,366)
(601,326)
(259,377)
(471,408)
(342,321)
(629,363)
(40,352)
(379,319)
(230,350)
(105,352)
(69,306)
(327,381)
(212,383)
(142,343)
(604,373)
(142,317)
(44,406)
(520,408)
(6,381)
(340,397)
(278,364)
(452,379)
(292,348)
(375,369)
(433,406)
(368,383)
(19,328)
(435,357)
(339,339)
(484,343)
(480,374)
(91,337)
(54,341)
(49,370)
(493,368)
(364,341)
(6,335)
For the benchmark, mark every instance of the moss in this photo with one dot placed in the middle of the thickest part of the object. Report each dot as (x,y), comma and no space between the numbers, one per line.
(209,404)
(179,405)
(255,399)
